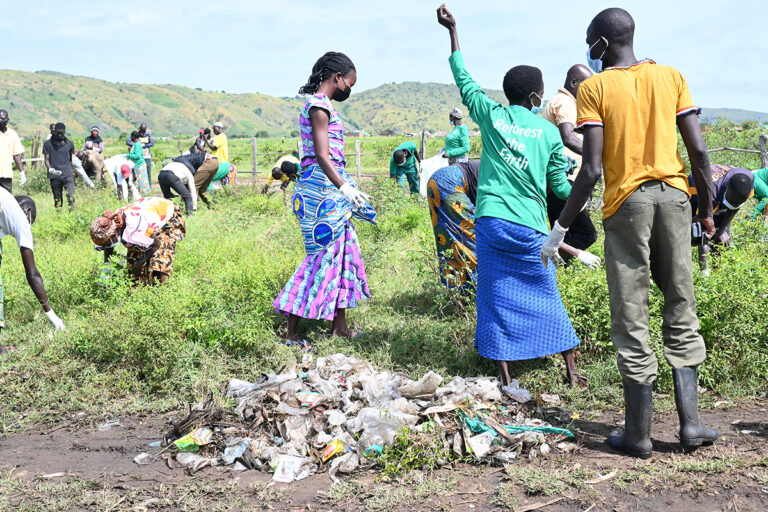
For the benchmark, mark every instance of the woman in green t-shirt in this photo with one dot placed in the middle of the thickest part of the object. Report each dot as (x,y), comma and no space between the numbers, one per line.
(520,314)
(457,142)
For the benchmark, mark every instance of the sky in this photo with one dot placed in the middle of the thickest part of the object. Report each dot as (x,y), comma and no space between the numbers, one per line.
(270,46)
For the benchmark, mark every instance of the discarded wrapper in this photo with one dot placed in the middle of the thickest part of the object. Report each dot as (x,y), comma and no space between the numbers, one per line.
(288,467)
(334,447)
(308,398)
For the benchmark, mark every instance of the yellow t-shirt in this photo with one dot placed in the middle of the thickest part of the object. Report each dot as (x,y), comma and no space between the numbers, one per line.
(638,108)
(562,109)
(222,148)
(10,145)
(278,165)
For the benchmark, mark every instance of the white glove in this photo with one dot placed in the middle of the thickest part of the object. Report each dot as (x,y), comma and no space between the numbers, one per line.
(22,178)
(54,172)
(589,259)
(57,322)
(706,272)
(549,251)
(353,195)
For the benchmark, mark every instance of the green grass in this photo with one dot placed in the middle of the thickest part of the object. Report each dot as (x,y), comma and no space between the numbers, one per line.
(149,349)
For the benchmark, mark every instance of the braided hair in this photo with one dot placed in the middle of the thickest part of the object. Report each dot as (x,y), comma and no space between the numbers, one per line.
(327,65)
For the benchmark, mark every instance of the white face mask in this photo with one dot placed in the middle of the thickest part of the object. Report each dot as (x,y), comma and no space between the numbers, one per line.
(729,205)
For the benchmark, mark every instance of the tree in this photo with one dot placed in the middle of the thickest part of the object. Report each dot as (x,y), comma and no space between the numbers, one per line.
(262,134)
(295,133)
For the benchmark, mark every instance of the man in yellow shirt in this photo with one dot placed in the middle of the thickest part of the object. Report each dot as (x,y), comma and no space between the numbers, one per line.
(561,111)
(629,114)
(285,170)
(11,149)
(220,143)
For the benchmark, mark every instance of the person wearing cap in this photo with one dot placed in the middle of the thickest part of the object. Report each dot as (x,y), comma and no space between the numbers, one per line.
(404,166)
(202,141)
(119,169)
(220,143)
(16,217)
(149,229)
(147,142)
(97,144)
(457,142)
(11,149)
(58,152)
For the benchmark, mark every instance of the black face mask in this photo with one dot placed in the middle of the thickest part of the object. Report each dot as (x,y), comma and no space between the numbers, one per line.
(58,137)
(339,95)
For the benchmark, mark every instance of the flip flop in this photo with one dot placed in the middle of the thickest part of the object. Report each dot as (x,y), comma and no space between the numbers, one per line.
(303,345)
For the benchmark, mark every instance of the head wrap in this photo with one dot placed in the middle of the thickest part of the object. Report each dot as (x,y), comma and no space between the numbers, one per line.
(105,227)
(456,113)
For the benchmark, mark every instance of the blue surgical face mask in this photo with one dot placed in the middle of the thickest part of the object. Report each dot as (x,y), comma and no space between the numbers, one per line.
(535,109)
(450,121)
(596,65)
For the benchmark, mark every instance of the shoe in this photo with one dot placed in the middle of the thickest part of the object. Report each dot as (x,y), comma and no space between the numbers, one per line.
(692,433)
(635,438)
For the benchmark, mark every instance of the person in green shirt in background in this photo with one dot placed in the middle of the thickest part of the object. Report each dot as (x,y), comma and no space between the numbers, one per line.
(520,314)
(457,142)
(761,194)
(404,165)
(136,155)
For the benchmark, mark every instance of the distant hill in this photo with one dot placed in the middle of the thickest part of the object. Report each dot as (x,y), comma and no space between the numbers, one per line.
(34,100)
(735,115)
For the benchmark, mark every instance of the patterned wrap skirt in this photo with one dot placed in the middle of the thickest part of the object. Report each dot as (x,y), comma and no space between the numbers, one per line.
(162,260)
(331,279)
(142,178)
(520,314)
(453,221)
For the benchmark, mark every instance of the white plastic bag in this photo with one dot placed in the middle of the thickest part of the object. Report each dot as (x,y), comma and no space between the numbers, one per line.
(428,168)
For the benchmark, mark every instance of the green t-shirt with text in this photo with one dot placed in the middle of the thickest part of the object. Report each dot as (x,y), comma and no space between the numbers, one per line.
(522,154)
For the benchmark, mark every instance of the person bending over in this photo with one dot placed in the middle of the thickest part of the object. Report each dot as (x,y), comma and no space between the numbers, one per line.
(17,214)
(404,165)
(731,187)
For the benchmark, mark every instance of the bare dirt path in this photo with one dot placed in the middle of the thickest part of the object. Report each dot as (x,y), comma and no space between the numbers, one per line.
(76,466)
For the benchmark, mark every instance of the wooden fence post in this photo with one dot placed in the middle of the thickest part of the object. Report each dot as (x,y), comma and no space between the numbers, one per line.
(357,158)
(763,150)
(423,144)
(254,147)
(181,151)
(36,147)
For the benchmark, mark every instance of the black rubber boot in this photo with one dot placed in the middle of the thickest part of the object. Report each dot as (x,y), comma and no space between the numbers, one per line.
(635,439)
(692,433)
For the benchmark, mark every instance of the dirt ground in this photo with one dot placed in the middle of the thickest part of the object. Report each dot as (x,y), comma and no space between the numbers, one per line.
(77,466)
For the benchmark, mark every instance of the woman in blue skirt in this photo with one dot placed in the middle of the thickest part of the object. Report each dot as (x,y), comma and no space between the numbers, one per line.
(520,314)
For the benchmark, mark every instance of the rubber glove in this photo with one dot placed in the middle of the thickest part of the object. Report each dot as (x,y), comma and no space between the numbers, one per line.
(57,322)
(353,195)
(22,178)
(54,172)
(589,259)
(549,251)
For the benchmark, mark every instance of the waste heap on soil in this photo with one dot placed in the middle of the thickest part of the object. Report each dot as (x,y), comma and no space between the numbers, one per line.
(339,413)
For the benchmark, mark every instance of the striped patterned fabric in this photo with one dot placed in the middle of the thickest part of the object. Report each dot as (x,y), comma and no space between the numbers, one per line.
(332,279)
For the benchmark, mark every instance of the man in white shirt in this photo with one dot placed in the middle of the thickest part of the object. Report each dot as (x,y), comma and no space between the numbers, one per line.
(123,182)
(16,216)
(11,149)
(178,177)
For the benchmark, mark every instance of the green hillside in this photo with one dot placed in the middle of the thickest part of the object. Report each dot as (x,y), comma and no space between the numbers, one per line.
(34,100)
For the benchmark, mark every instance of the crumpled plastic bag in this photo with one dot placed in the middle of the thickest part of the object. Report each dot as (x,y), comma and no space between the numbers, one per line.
(235,448)
(425,387)
(347,463)
(194,462)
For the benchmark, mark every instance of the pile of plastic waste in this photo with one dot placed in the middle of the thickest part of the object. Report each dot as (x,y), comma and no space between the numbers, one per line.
(338,413)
